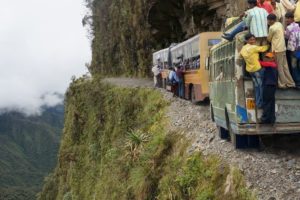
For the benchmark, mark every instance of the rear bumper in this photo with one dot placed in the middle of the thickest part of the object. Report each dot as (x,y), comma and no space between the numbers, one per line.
(267,129)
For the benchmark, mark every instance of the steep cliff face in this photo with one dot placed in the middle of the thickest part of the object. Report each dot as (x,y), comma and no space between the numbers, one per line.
(116,145)
(127,32)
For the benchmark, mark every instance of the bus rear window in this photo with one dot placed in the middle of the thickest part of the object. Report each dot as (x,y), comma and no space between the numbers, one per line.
(212,42)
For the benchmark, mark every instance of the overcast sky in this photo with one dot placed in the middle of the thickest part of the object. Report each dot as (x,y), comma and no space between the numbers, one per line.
(42,44)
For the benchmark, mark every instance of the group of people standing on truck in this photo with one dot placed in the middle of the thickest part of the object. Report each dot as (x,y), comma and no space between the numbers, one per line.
(272,50)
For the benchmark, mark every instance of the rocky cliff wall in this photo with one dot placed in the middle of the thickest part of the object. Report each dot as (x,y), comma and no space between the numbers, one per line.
(126,32)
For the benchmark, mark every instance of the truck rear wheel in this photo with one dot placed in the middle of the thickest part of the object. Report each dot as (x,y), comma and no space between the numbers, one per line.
(242,141)
(238,141)
(193,95)
(223,133)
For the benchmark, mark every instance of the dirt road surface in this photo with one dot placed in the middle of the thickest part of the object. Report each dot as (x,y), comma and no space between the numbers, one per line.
(273,171)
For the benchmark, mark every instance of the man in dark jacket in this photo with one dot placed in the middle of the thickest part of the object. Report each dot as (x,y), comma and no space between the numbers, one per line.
(269,88)
(179,74)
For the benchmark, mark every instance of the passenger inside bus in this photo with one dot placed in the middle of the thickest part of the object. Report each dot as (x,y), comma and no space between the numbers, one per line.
(192,63)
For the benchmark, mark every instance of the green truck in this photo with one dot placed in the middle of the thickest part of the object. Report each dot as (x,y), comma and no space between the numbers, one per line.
(232,99)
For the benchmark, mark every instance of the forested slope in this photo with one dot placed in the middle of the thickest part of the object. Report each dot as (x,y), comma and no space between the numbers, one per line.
(28,151)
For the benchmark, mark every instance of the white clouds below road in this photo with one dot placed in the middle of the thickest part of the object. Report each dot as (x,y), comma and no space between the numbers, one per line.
(42,44)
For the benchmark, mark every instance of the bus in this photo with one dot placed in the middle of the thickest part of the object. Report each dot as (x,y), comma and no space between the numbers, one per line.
(232,99)
(191,55)
(161,58)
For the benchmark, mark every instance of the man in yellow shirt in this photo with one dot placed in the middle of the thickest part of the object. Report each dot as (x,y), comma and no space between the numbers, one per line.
(250,53)
(276,37)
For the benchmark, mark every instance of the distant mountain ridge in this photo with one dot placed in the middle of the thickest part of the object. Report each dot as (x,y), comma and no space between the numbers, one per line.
(28,151)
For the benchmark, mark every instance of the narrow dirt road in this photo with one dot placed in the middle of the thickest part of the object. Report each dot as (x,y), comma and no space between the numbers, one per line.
(273,171)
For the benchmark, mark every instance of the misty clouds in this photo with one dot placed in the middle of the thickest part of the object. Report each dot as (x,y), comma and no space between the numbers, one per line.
(42,44)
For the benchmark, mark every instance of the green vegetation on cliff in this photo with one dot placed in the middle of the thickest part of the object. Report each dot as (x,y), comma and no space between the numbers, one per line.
(28,151)
(122,40)
(116,146)
(126,33)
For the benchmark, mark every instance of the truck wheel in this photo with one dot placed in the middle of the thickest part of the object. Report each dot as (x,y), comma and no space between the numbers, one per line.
(238,141)
(212,117)
(223,133)
(193,95)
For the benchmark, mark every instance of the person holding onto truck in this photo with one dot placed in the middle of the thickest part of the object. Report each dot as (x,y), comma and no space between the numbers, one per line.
(265,5)
(256,20)
(288,5)
(278,10)
(270,81)
(250,53)
(172,81)
(276,37)
(297,12)
(156,70)
(179,74)
(292,35)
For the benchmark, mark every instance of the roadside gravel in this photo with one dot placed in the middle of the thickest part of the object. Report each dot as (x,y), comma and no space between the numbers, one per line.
(272,171)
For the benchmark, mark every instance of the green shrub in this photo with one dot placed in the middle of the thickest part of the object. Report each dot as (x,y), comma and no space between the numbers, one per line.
(123,150)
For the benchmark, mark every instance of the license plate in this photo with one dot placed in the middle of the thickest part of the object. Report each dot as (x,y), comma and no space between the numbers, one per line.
(250,103)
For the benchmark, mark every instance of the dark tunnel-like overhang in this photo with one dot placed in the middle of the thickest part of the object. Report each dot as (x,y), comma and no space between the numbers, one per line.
(176,20)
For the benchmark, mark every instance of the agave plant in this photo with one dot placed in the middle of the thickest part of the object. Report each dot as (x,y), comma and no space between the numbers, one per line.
(135,142)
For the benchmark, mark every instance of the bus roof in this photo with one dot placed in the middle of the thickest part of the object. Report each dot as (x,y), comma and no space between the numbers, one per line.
(193,39)
(161,54)
(223,41)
